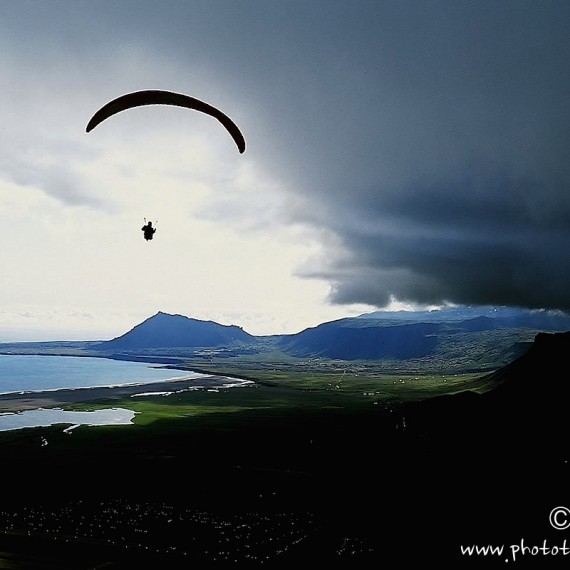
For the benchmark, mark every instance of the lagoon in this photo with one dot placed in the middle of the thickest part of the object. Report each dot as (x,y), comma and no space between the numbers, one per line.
(53,416)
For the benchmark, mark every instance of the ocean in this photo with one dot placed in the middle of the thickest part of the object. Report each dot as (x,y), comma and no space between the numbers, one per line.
(31,373)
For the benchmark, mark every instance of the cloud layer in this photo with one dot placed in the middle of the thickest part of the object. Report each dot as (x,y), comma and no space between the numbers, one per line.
(405,150)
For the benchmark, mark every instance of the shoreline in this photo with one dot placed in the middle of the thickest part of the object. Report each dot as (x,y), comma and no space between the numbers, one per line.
(22,401)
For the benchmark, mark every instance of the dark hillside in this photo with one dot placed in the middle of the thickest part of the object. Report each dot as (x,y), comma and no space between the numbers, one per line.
(541,374)
(524,408)
(498,462)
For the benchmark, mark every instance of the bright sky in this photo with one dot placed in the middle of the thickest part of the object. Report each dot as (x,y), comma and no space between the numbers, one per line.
(395,150)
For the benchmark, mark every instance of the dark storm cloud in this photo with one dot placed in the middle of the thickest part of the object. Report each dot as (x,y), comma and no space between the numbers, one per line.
(447,177)
(431,138)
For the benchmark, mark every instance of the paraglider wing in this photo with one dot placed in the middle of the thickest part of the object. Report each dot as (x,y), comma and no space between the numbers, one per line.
(157,97)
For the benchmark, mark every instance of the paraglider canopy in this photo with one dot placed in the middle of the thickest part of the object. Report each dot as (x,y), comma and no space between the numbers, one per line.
(158,97)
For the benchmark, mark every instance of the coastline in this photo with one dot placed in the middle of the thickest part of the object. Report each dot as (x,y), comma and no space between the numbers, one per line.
(22,401)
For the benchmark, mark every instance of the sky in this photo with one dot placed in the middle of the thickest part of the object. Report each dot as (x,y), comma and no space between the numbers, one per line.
(400,154)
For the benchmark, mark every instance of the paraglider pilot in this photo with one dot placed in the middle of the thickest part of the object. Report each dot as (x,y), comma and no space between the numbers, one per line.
(148,230)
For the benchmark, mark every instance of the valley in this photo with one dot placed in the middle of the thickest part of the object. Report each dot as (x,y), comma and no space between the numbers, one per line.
(369,461)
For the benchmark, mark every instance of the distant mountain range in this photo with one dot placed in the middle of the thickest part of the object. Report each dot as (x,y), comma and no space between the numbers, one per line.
(491,335)
(406,334)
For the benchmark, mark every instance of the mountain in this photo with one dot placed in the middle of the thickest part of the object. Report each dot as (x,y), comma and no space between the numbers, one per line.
(548,320)
(492,334)
(176,331)
(343,340)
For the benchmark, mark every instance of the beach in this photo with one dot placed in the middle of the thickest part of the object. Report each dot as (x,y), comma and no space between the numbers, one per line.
(21,401)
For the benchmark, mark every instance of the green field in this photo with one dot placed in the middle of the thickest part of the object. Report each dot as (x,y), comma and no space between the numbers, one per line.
(282,392)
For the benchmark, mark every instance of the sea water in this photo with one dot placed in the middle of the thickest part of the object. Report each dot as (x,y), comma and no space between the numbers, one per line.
(31,373)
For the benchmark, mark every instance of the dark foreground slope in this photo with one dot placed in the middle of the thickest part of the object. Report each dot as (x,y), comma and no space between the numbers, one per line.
(502,458)
(366,486)
(528,402)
